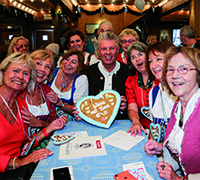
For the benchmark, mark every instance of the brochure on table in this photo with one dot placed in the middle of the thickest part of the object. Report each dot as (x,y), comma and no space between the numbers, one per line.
(137,170)
(123,140)
(83,147)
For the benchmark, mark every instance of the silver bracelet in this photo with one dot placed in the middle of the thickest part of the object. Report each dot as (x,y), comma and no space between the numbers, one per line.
(14,162)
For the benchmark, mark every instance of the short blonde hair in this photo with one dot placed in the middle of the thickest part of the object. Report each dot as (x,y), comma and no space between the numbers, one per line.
(192,54)
(20,58)
(126,32)
(43,55)
(14,43)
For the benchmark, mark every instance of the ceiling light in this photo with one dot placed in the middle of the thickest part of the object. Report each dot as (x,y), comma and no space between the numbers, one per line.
(126,0)
(31,0)
(19,5)
(26,9)
(88,4)
(14,3)
(99,4)
(74,2)
(23,7)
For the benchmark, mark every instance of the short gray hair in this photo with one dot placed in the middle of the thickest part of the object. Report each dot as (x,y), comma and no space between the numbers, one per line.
(107,36)
(20,58)
(106,22)
(188,31)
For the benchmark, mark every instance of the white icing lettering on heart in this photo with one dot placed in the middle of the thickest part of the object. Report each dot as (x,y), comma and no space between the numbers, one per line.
(100,110)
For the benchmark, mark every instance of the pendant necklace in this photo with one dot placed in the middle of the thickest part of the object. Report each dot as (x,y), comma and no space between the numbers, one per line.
(37,100)
(64,85)
(14,114)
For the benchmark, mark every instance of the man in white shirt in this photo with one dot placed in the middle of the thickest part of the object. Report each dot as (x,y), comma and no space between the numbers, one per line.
(108,73)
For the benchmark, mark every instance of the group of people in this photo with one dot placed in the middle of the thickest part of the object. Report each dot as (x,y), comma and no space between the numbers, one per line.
(37,99)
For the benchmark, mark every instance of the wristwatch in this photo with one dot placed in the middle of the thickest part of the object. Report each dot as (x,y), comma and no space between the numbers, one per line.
(62,104)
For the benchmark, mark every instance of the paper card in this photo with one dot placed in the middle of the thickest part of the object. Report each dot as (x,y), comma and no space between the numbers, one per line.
(122,140)
(137,170)
(70,171)
(83,147)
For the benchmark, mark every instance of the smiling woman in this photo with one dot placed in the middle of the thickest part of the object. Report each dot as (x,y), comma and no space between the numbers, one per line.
(138,87)
(40,110)
(181,144)
(69,82)
(17,72)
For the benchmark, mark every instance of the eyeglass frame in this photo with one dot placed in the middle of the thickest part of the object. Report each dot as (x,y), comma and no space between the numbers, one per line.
(129,41)
(188,69)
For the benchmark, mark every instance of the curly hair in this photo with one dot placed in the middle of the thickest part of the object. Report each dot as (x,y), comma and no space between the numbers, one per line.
(126,32)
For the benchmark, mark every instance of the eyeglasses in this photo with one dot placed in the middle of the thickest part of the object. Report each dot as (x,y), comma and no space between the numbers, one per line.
(25,45)
(129,41)
(181,70)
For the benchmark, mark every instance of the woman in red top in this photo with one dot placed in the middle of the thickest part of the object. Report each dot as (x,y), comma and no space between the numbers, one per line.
(17,72)
(138,88)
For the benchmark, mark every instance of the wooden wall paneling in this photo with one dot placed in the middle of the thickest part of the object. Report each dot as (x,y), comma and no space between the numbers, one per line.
(194,20)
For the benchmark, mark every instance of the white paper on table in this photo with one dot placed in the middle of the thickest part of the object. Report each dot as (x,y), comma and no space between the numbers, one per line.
(136,166)
(83,147)
(70,171)
(122,140)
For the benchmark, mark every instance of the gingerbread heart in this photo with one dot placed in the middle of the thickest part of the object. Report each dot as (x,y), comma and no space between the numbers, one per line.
(163,131)
(100,110)
(156,131)
(146,112)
